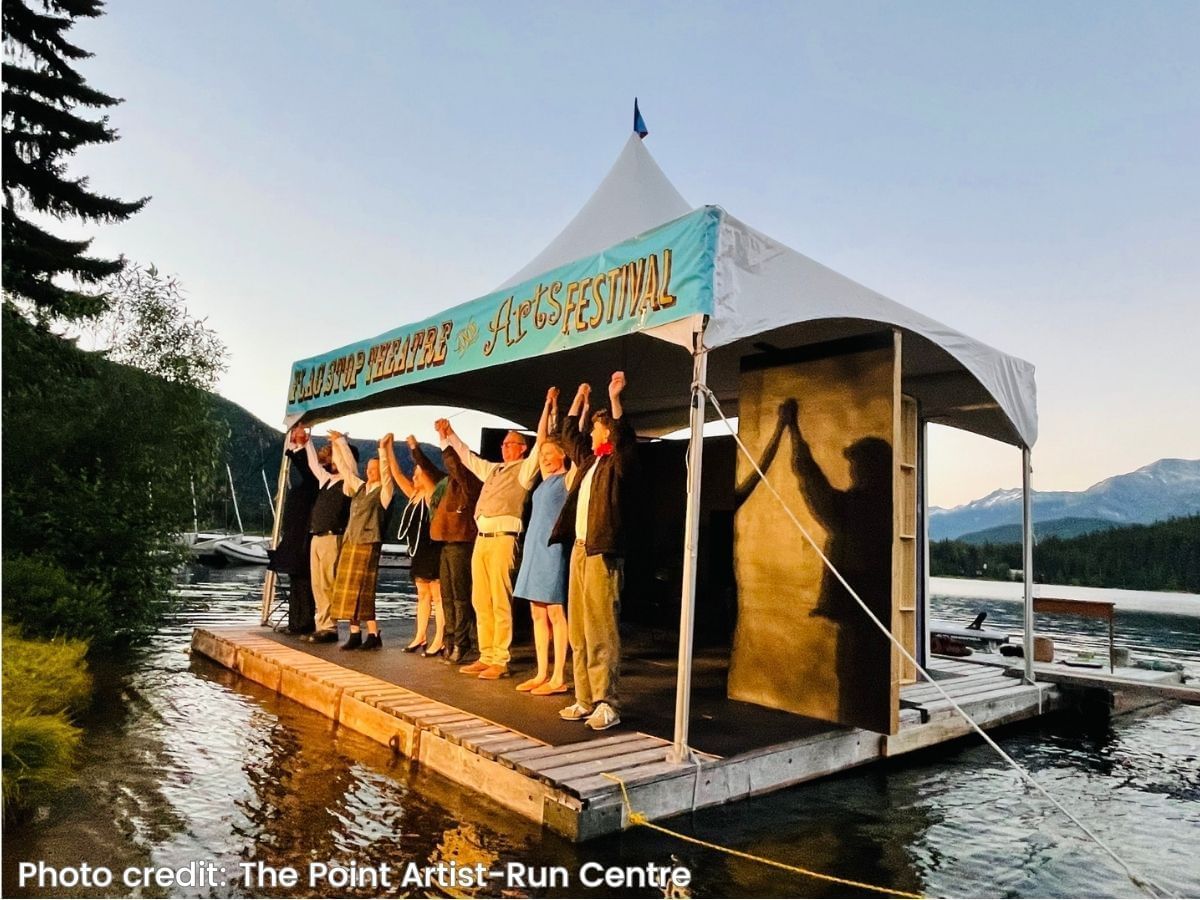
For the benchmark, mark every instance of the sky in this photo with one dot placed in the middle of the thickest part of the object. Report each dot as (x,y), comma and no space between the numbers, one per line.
(1026,173)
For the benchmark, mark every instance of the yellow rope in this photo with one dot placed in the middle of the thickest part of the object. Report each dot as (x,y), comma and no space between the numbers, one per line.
(637,818)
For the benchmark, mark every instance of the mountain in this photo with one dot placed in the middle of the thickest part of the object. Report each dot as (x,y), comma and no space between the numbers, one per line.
(1166,488)
(254,449)
(1068,527)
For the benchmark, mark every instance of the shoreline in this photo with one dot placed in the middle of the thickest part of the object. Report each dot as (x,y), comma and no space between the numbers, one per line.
(1167,602)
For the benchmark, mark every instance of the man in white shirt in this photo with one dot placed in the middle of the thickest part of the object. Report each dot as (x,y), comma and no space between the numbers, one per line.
(498,516)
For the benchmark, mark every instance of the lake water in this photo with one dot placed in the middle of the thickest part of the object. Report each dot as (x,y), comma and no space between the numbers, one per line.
(185,762)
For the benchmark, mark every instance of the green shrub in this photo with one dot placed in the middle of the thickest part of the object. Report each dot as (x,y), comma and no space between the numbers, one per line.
(40,595)
(45,683)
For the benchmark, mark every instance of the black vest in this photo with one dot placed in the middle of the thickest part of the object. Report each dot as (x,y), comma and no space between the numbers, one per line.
(331,512)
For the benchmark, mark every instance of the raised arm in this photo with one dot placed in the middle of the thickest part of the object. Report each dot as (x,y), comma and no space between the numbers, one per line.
(616,387)
(822,497)
(528,475)
(480,467)
(319,472)
(549,415)
(297,439)
(575,442)
(420,459)
(743,491)
(346,465)
(387,481)
(388,447)
(624,437)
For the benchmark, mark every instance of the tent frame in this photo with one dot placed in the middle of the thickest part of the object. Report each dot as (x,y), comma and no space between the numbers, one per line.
(680,751)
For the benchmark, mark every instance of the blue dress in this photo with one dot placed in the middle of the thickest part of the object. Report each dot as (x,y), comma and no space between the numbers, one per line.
(543,575)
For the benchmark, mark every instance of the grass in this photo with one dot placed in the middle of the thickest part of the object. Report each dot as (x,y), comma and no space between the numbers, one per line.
(45,683)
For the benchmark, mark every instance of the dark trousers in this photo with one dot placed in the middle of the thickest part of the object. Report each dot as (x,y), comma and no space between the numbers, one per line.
(454,574)
(301,607)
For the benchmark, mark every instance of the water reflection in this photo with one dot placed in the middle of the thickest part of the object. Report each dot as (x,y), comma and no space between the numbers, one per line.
(185,761)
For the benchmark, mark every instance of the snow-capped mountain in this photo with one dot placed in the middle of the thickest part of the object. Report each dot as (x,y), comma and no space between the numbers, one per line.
(1169,487)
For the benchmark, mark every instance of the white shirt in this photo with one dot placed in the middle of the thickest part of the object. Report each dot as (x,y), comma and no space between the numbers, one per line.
(585,498)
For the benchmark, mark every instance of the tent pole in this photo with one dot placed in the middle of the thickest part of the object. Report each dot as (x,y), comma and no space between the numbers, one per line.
(691,547)
(268,595)
(923,480)
(1027,558)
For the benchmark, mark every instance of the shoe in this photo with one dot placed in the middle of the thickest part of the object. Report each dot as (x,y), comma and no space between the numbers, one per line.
(473,668)
(548,688)
(413,648)
(530,683)
(437,651)
(322,637)
(604,717)
(494,673)
(353,642)
(454,655)
(576,712)
(373,642)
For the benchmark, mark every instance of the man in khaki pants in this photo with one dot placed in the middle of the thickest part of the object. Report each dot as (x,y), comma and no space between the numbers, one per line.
(327,522)
(594,523)
(498,516)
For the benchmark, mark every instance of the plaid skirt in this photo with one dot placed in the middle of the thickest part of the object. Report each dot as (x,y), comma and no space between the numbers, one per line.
(354,585)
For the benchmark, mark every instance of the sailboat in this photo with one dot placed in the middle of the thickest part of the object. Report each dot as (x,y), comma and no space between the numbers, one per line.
(241,549)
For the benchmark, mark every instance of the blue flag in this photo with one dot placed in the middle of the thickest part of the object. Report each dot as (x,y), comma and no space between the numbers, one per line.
(639,124)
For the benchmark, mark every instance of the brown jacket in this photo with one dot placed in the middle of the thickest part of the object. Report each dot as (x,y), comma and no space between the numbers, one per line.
(454,521)
(612,495)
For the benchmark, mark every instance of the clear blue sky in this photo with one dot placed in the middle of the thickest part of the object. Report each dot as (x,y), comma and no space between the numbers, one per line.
(1027,173)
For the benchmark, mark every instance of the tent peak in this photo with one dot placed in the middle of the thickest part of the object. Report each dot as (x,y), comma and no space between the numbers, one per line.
(634,197)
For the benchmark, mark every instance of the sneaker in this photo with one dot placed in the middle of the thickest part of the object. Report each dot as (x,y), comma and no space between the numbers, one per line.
(373,642)
(323,637)
(473,668)
(576,712)
(603,718)
(353,642)
(492,673)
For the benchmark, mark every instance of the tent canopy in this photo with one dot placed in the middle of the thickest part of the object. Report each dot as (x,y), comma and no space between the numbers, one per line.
(752,292)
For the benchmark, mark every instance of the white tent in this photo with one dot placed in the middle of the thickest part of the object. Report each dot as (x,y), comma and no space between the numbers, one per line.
(764,296)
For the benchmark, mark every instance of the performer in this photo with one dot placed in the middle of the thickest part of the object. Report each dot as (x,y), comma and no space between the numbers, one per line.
(453,526)
(596,516)
(498,516)
(542,579)
(291,555)
(326,524)
(358,561)
(424,491)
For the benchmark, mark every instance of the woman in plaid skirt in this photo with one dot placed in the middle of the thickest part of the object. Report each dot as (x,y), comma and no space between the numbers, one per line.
(358,560)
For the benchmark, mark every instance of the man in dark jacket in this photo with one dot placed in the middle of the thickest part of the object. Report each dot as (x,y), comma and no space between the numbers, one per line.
(454,525)
(291,555)
(594,521)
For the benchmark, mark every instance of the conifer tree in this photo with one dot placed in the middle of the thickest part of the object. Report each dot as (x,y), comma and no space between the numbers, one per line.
(43,126)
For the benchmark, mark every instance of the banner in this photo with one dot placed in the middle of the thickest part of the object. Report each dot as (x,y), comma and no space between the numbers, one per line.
(660,277)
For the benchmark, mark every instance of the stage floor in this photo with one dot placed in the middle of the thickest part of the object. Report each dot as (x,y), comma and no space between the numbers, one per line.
(647,692)
(516,750)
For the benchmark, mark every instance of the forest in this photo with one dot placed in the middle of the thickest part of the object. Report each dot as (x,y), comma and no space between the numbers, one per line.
(1163,556)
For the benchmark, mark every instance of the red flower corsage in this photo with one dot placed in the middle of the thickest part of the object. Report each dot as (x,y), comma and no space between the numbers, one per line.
(604,449)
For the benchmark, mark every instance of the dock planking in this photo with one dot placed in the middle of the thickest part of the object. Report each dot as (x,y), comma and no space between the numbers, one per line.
(566,786)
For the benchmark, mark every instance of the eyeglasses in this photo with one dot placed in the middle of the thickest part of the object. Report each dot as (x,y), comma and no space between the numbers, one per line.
(512,444)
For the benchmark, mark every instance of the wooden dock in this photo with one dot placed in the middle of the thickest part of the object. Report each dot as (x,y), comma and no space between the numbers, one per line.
(562,784)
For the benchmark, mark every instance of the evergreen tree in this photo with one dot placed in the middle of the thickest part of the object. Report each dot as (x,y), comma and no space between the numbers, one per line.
(43,94)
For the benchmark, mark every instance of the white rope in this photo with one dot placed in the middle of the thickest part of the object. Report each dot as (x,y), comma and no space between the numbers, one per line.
(1140,880)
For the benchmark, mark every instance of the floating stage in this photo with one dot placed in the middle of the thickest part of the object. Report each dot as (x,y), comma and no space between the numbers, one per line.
(514,749)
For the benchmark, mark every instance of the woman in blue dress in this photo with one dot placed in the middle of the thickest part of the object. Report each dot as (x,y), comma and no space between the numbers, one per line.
(542,579)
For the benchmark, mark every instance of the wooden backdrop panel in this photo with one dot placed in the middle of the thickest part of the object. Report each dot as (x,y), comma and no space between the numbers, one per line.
(823,431)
